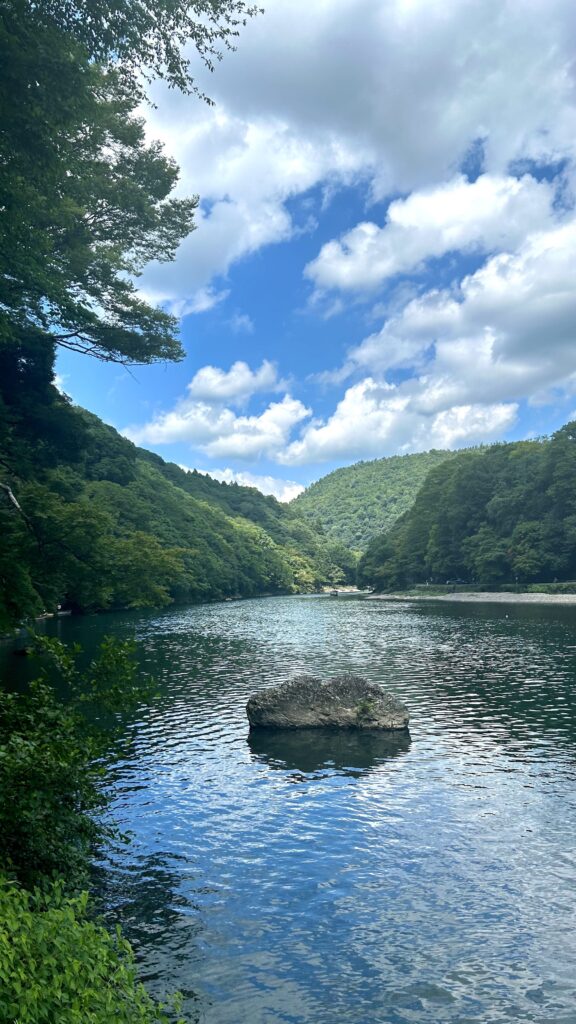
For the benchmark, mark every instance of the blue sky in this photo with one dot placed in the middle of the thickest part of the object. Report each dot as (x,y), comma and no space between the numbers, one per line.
(385,253)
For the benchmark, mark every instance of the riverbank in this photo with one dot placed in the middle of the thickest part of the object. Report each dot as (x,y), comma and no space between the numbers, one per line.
(480,597)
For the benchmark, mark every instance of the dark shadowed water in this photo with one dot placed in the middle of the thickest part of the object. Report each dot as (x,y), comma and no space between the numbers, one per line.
(318,880)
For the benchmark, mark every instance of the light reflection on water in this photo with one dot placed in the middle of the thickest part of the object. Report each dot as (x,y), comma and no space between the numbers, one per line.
(282,879)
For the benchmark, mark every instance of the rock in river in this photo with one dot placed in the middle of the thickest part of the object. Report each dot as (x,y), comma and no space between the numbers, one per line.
(346,702)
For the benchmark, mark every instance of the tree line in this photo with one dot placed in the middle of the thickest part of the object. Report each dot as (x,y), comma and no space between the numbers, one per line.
(501,514)
(356,503)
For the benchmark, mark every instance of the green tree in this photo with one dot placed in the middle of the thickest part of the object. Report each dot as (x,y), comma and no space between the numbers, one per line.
(87,202)
(50,760)
(56,962)
(149,37)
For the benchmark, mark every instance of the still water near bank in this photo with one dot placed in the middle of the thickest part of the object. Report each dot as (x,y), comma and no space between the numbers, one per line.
(426,880)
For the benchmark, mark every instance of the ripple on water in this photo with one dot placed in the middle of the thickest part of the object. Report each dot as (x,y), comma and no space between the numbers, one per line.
(312,879)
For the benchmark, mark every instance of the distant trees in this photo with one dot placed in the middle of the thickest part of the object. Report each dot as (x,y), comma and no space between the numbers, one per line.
(356,503)
(102,524)
(499,514)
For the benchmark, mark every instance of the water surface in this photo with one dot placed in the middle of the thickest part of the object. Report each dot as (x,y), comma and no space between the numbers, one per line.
(306,881)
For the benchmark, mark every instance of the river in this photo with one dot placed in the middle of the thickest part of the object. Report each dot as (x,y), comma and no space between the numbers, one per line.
(334,879)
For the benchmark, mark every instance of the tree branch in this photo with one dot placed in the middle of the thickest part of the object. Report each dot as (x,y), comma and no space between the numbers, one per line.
(12,498)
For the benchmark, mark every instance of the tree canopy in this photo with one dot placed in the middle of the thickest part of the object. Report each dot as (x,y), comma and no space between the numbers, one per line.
(502,514)
(86,200)
(152,38)
(356,503)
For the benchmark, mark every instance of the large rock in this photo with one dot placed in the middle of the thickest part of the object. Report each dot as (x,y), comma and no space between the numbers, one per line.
(345,702)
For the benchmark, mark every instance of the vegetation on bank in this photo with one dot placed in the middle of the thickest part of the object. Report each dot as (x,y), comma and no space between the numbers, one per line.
(90,522)
(87,201)
(358,502)
(57,963)
(502,514)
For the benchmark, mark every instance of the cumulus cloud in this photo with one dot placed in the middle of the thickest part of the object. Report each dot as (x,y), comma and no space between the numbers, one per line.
(211,384)
(254,168)
(204,419)
(509,328)
(373,419)
(283,490)
(491,213)
(469,355)
(254,437)
(432,80)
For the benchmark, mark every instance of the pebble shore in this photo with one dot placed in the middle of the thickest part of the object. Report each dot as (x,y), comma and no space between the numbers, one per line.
(483,597)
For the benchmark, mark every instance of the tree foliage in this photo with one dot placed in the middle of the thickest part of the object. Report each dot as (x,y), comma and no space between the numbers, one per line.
(50,760)
(100,524)
(506,513)
(58,964)
(152,38)
(86,201)
(356,503)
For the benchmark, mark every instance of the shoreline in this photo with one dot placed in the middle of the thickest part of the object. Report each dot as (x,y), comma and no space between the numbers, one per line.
(481,597)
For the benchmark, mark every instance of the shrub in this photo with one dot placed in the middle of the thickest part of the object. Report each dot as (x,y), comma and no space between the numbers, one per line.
(57,965)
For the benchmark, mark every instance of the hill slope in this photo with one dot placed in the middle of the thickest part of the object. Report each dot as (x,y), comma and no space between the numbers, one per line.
(356,503)
(88,521)
(500,514)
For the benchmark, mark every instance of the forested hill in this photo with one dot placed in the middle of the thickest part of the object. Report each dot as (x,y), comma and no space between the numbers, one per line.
(90,522)
(497,515)
(358,502)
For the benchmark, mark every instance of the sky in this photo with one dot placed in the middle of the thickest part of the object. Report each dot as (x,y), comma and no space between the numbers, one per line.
(385,253)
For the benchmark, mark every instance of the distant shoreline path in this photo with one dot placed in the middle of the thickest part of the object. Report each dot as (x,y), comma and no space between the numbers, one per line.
(483,597)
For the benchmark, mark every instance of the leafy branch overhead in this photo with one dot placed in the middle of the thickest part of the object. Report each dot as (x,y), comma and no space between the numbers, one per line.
(152,38)
(87,201)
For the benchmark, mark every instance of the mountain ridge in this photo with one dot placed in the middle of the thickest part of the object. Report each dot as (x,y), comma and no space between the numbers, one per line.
(388,487)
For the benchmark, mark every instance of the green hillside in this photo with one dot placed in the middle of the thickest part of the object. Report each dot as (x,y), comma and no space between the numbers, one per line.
(502,514)
(356,503)
(89,521)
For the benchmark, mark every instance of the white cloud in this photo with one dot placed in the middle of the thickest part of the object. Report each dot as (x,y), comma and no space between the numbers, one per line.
(213,385)
(241,323)
(245,171)
(491,213)
(283,490)
(254,437)
(375,419)
(391,96)
(507,333)
(204,420)
(60,383)
(508,330)
(393,93)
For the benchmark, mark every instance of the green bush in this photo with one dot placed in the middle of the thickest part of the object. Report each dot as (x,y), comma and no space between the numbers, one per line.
(50,761)
(57,965)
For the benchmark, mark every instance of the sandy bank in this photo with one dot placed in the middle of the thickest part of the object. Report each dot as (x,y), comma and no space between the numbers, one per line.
(477,597)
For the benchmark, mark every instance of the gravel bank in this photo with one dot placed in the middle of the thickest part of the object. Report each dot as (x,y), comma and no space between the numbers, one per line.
(484,597)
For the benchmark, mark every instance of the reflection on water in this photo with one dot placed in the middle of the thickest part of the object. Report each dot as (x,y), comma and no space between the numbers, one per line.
(429,884)
(332,751)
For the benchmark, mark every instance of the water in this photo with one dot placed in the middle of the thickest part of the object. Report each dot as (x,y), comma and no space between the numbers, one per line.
(309,881)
